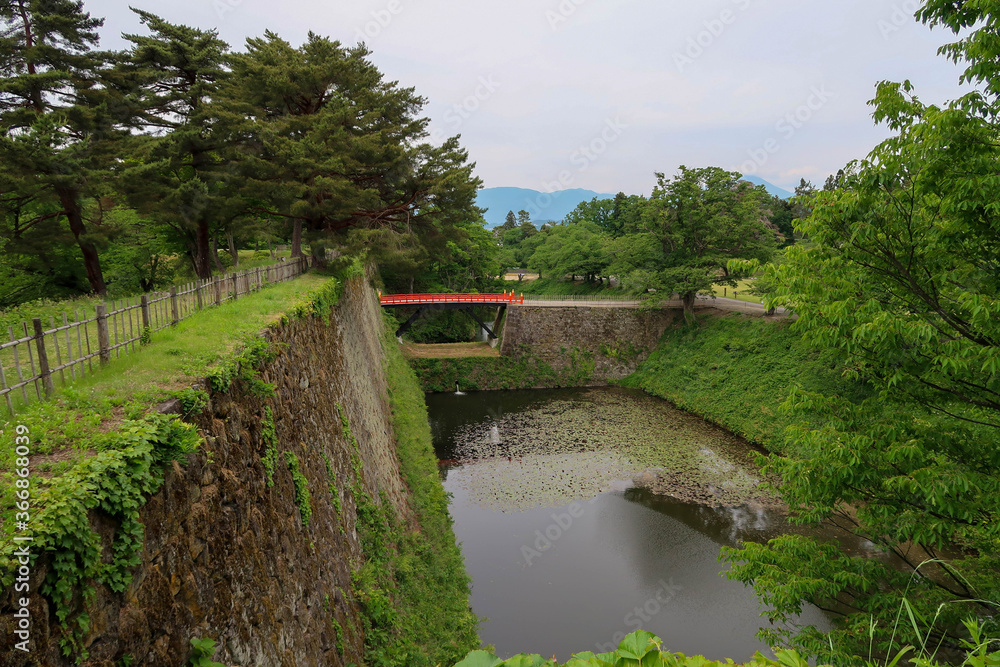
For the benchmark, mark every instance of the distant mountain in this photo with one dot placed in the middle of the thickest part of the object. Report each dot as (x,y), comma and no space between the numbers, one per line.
(771,188)
(543,206)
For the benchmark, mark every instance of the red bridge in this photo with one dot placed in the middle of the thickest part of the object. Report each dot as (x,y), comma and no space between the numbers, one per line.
(466,302)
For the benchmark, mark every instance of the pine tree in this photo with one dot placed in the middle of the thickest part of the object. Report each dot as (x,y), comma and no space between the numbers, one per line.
(58,124)
(331,143)
(185,176)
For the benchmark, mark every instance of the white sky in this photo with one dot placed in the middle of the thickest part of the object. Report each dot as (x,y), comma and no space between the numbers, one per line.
(646,85)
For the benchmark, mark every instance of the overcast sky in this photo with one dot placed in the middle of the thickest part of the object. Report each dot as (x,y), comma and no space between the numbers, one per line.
(600,94)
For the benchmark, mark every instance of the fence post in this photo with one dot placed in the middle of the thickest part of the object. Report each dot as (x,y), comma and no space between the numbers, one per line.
(174,314)
(103,339)
(43,358)
(147,326)
(197,292)
(218,290)
(236,287)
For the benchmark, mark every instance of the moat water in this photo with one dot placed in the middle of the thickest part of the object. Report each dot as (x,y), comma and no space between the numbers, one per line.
(568,547)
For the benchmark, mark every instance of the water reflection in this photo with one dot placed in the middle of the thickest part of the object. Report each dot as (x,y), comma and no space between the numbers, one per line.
(577,576)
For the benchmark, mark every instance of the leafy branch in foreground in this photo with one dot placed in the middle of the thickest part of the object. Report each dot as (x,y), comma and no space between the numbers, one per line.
(901,279)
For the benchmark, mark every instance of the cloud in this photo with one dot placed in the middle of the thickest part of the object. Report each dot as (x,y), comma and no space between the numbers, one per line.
(756,61)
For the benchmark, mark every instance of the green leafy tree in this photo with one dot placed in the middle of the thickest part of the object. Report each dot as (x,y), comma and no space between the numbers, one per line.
(780,214)
(693,224)
(597,211)
(141,258)
(802,201)
(59,124)
(901,280)
(571,249)
(509,224)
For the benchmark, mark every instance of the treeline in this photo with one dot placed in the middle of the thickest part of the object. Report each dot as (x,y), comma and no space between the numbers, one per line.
(679,240)
(118,168)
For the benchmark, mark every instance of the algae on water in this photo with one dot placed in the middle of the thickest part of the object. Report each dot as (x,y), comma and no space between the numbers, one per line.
(577,448)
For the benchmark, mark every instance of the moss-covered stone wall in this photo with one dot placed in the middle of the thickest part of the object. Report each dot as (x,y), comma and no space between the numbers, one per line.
(252,541)
(615,339)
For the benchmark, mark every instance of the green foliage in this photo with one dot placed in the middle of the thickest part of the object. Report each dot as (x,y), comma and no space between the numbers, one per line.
(558,287)
(412,588)
(124,471)
(320,302)
(572,249)
(331,476)
(623,350)
(380,178)
(441,326)
(59,130)
(269,436)
(303,499)
(736,371)
(192,400)
(242,367)
(692,226)
(639,649)
(900,279)
(202,651)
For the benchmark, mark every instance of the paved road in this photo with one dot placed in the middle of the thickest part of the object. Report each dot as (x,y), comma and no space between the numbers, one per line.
(720,303)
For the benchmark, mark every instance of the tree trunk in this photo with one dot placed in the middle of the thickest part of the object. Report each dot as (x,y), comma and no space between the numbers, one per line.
(297,238)
(688,300)
(319,256)
(270,248)
(91,261)
(201,255)
(214,251)
(233,252)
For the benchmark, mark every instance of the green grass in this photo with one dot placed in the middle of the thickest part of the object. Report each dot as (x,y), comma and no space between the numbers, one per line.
(413,588)
(736,371)
(741,292)
(176,358)
(54,308)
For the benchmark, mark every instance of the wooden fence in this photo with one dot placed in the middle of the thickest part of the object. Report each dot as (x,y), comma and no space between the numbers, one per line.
(39,353)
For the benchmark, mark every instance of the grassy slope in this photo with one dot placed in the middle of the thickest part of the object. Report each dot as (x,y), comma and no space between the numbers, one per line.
(174,359)
(434,622)
(736,371)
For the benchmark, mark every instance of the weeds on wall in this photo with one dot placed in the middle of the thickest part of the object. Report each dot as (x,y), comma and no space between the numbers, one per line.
(117,479)
(412,587)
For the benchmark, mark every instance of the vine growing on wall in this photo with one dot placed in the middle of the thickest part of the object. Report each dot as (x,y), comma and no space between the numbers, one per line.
(303,499)
(126,469)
